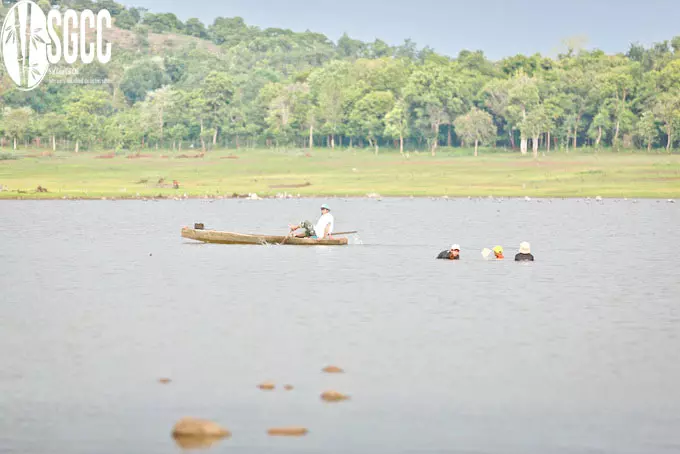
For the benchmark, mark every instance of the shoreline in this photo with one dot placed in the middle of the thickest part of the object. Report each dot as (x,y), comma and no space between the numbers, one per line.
(299,197)
(272,174)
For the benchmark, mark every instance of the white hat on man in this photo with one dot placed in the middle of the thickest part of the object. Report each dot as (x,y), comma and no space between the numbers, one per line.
(524,248)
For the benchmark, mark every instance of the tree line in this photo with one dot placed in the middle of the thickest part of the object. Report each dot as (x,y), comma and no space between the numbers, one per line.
(234,85)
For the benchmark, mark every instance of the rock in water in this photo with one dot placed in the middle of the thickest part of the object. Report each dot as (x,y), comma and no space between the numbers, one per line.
(288,431)
(194,427)
(196,442)
(333,396)
(266,386)
(332,370)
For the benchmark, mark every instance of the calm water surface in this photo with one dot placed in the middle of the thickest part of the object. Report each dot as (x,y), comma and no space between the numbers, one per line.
(578,352)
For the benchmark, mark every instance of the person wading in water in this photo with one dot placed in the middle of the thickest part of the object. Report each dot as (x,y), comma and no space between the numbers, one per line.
(524,253)
(451,254)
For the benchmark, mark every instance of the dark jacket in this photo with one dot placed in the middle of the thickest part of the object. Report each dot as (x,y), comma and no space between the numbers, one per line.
(445,255)
(524,258)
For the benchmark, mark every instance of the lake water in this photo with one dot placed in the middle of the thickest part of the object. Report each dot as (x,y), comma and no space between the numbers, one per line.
(578,352)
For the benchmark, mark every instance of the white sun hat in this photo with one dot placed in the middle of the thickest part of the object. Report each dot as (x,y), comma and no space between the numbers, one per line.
(524,248)
(455,247)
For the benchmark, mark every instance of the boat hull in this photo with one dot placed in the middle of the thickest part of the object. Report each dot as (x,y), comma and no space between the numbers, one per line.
(218,237)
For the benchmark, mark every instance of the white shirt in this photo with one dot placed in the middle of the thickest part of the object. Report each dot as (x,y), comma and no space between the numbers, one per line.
(324,220)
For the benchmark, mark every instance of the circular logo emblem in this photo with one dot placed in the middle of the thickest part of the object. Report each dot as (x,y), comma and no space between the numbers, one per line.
(24,44)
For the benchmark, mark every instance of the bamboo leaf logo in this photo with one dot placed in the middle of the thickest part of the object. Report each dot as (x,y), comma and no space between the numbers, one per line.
(36,38)
(24,40)
(34,70)
(9,30)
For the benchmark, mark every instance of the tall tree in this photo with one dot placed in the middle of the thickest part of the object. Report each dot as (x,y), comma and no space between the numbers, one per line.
(436,93)
(523,98)
(195,27)
(369,115)
(599,126)
(156,107)
(535,123)
(579,87)
(618,86)
(397,123)
(217,92)
(648,130)
(667,111)
(53,125)
(476,127)
(85,115)
(16,122)
(496,95)
(328,87)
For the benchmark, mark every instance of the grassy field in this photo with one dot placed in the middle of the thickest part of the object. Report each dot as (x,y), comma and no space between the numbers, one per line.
(339,173)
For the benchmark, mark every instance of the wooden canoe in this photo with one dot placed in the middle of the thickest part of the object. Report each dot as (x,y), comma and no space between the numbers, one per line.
(215,236)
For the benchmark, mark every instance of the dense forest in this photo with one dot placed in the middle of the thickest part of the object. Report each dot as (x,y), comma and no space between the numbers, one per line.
(174,84)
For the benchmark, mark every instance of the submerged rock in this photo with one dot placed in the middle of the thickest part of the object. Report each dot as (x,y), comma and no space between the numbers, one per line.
(267,386)
(333,396)
(288,431)
(194,427)
(196,442)
(332,370)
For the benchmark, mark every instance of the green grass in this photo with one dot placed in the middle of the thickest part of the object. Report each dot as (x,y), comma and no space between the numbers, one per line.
(342,173)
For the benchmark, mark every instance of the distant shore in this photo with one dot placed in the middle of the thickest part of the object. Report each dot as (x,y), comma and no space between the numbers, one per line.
(247,173)
(22,197)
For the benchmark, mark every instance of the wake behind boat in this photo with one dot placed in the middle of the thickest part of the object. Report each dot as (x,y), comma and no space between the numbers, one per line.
(215,236)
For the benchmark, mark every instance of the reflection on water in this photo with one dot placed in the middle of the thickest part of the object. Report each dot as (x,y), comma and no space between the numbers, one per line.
(197,442)
(576,352)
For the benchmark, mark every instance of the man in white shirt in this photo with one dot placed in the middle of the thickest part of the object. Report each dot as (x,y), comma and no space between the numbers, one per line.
(322,229)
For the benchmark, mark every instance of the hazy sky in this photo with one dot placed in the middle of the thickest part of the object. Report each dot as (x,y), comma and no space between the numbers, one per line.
(498,27)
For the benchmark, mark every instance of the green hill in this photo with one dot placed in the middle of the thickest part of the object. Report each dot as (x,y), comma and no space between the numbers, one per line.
(173,84)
